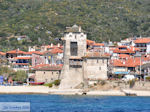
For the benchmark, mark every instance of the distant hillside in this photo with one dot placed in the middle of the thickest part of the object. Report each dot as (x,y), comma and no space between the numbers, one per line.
(44,20)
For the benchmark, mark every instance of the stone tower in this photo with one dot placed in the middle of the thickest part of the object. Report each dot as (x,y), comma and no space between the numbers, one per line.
(74,49)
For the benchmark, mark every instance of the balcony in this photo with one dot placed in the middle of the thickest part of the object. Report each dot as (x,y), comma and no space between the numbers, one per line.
(75,64)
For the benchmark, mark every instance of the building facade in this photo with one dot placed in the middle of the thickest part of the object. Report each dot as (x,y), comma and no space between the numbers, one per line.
(79,67)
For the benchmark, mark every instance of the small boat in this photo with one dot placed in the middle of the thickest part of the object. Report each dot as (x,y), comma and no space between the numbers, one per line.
(36,83)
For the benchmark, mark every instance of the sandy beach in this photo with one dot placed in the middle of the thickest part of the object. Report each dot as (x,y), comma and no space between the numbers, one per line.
(47,90)
(24,90)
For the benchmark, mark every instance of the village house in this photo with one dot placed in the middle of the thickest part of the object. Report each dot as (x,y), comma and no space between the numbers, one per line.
(54,56)
(95,67)
(46,73)
(126,42)
(130,50)
(128,65)
(143,44)
(21,63)
(14,53)
(95,47)
(50,47)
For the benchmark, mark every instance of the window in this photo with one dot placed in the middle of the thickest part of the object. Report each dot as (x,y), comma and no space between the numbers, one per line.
(99,68)
(75,37)
(73,48)
(97,60)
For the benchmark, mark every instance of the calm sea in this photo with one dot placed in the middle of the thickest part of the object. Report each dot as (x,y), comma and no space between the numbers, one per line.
(54,103)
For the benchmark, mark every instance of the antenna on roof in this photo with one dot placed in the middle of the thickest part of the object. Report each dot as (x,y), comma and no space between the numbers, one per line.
(140,36)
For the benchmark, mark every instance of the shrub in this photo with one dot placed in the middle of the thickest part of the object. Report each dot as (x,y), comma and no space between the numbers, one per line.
(56,82)
(103,82)
(95,84)
(50,85)
(19,76)
(119,76)
(148,78)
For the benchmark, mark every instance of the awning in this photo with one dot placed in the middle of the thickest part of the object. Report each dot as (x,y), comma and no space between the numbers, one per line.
(121,72)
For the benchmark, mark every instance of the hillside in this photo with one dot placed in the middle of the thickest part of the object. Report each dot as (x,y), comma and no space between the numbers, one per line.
(44,20)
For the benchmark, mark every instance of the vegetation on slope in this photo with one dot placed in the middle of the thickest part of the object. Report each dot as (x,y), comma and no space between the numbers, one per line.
(44,20)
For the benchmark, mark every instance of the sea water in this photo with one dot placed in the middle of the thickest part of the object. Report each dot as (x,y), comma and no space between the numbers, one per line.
(58,103)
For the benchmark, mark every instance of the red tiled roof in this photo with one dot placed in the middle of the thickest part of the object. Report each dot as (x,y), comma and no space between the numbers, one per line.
(142,40)
(2,53)
(90,42)
(107,54)
(48,67)
(28,53)
(131,62)
(25,58)
(20,63)
(52,47)
(117,63)
(124,56)
(96,54)
(16,52)
(127,49)
(98,44)
(56,50)
(34,52)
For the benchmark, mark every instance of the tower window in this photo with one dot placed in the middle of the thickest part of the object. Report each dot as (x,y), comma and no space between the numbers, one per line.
(99,68)
(73,49)
(103,60)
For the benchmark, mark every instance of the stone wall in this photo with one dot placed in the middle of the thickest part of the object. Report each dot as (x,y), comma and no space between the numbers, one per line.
(46,76)
(72,78)
(139,85)
(95,68)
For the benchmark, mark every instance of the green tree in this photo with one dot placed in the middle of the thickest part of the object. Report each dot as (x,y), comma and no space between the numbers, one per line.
(19,76)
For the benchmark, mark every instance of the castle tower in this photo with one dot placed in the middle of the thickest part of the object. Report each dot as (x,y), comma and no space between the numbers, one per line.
(74,49)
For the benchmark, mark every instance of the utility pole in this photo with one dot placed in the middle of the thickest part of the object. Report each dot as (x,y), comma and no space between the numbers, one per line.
(140,66)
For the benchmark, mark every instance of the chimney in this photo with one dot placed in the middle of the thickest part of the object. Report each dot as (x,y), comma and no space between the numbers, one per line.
(58,45)
(124,62)
(51,44)
(79,28)
(140,36)
(17,49)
